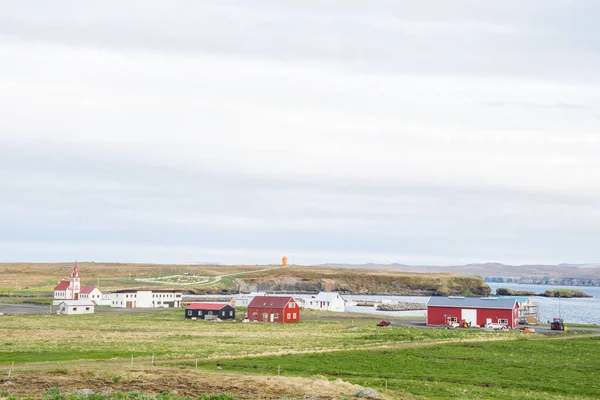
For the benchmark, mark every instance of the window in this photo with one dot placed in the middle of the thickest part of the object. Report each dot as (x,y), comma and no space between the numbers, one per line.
(453,319)
(255,315)
(265,316)
(74,308)
(294,315)
(223,313)
(87,309)
(189,312)
(503,321)
(276,316)
(292,304)
(288,315)
(231,313)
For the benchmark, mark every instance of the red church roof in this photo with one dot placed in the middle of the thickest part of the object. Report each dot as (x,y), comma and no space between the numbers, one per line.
(63,285)
(207,306)
(270,301)
(87,289)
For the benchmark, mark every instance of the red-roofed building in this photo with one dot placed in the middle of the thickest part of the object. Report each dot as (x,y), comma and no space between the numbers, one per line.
(214,310)
(68,290)
(274,309)
(91,293)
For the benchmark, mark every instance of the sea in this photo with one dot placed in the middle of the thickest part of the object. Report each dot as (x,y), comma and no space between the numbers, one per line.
(574,311)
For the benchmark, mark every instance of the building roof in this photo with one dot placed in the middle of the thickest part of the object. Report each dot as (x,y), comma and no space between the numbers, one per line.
(78,302)
(62,285)
(207,306)
(471,302)
(270,301)
(146,291)
(327,296)
(87,289)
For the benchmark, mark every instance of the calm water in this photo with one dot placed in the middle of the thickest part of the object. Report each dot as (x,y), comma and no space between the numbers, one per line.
(578,311)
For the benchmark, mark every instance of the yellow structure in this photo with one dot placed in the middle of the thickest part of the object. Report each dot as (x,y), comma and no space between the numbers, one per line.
(284,261)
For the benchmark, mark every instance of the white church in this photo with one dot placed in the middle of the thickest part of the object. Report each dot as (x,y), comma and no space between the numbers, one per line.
(72,290)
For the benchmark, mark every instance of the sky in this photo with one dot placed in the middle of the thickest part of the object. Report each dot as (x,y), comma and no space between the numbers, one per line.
(424,133)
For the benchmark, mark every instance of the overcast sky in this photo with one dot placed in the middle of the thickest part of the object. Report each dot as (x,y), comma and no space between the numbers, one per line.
(428,132)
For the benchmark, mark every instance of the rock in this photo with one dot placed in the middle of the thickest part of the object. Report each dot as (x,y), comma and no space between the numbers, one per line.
(86,392)
(368,393)
(8,383)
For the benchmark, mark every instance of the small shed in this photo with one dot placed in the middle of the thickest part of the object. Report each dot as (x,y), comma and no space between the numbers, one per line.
(474,310)
(274,309)
(73,307)
(204,310)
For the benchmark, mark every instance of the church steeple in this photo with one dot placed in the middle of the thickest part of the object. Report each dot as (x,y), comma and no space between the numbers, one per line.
(75,284)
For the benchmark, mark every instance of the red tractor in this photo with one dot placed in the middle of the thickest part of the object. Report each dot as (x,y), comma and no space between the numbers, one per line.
(558,324)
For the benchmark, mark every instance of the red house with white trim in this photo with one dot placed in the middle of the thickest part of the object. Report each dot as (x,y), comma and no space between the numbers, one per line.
(274,309)
(476,311)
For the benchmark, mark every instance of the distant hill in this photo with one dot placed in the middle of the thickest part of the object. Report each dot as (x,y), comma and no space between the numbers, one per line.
(578,274)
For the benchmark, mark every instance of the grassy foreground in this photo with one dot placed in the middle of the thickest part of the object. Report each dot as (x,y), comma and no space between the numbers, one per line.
(165,333)
(516,369)
(426,363)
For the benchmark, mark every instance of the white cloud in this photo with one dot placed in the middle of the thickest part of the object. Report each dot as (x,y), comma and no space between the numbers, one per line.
(267,139)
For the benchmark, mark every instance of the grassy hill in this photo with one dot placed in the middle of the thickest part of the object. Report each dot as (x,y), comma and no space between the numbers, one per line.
(24,279)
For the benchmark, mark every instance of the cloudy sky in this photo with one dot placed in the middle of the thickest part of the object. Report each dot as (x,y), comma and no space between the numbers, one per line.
(428,132)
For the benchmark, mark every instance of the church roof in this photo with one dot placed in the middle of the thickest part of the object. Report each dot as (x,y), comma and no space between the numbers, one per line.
(63,285)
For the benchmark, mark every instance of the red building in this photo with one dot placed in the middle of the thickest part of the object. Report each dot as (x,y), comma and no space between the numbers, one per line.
(273,309)
(476,311)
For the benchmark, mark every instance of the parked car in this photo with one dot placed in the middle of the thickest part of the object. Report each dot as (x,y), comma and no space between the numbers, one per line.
(495,326)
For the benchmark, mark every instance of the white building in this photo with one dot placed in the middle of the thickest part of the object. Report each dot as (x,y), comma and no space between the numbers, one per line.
(105,300)
(91,293)
(329,301)
(71,307)
(242,300)
(145,299)
(68,290)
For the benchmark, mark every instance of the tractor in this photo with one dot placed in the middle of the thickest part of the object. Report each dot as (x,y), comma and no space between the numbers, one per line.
(558,324)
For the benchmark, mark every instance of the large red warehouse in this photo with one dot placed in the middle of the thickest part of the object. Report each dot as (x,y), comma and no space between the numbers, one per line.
(476,311)
(273,309)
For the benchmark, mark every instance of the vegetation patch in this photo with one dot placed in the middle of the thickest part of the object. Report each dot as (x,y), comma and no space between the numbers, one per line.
(523,369)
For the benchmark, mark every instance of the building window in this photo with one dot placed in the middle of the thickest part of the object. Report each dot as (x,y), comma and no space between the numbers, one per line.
(265,316)
(74,308)
(223,313)
(189,312)
(294,315)
(87,309)
(231,313)
(288,315)
(292,304)
(453,319)
(503,321)
(276,317)
(255,315)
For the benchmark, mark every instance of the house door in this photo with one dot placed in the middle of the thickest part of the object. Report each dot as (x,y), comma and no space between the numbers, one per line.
(470,316)
(272,317)
(265,317)
(127,304)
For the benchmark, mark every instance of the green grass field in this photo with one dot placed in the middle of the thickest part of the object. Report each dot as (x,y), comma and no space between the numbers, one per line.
(466,365)
(100,336)
(523,369)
